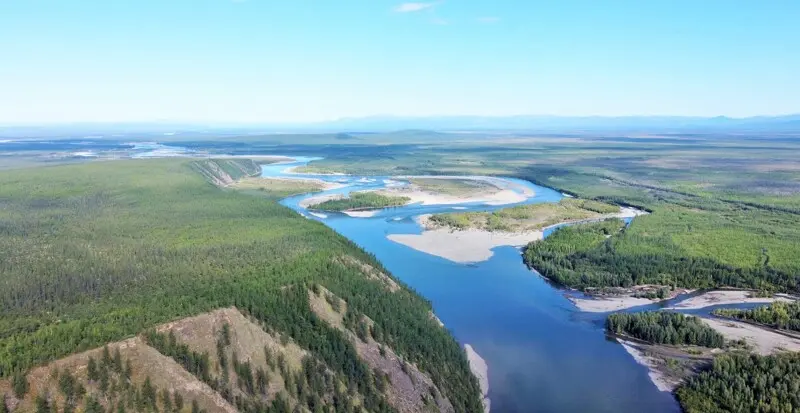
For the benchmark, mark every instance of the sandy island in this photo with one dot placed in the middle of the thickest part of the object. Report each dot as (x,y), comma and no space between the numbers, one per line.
(291,170)
(505,192)
(718,297)
(467,246)
(608,304)
(501,195)
(481,371)
(475,245)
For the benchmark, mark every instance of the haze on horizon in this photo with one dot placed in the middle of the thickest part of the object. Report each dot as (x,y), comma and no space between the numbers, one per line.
(275,61)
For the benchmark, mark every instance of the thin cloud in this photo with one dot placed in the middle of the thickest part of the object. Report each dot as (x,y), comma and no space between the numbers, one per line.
(488,19)
(412,7)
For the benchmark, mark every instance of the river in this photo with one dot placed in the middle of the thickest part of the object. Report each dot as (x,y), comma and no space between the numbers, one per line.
(543,354)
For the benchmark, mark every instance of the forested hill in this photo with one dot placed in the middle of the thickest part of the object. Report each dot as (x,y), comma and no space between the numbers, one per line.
(97,253)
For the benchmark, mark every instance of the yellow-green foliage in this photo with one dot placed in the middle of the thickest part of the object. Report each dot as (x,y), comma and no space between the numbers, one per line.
(526,217)
(453,186)
(278,188)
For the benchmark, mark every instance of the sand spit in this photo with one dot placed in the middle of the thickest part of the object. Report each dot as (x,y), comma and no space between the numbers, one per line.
(362,214)
(762,340)
(718,297)
(608,304)
(481,371)
(468,246)
(314,200)
(661,381)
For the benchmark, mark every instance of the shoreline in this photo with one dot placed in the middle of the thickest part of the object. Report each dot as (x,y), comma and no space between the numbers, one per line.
(606,304)
(659,379)
(480,370)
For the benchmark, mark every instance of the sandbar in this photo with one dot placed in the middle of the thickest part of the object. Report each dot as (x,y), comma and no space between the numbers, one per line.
(291,170)
(314,200)
(475,245)
(608,304)
(467,246)
(763,341)
(481,371)
(362,214)
(662,382)
(718,297)
(504,192)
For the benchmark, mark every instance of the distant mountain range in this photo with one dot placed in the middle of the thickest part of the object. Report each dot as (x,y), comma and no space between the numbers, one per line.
(527,123)
(564,123)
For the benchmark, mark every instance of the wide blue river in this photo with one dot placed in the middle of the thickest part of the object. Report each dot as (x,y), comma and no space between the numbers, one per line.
(543,354)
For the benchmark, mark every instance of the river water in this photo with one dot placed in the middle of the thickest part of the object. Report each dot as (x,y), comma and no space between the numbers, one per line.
(543,354)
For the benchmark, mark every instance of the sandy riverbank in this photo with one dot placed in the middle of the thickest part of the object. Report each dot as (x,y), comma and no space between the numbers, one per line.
(465,246)
(661,381)
(608,304)
(718,297)
(362,214)
(481,371)
(314,200)
(762,340)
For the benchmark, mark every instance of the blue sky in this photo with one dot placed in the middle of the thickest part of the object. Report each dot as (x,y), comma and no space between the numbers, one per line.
(307,60)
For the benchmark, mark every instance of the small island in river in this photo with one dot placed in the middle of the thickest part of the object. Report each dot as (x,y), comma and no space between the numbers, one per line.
(467,237)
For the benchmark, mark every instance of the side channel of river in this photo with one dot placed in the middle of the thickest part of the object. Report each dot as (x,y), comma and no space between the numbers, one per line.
(543,354)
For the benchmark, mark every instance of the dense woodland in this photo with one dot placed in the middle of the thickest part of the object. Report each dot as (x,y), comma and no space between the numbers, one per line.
(741,383)
(662,327)
(93,253)
(604,254)
(777,315)
(361,200)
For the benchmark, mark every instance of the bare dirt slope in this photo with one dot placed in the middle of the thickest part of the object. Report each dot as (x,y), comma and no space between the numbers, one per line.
(407,388)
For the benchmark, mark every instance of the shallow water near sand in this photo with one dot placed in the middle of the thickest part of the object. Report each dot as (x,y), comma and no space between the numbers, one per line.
(543,355)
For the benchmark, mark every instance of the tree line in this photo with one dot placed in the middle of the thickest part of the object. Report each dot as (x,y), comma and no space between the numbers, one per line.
(663,327)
